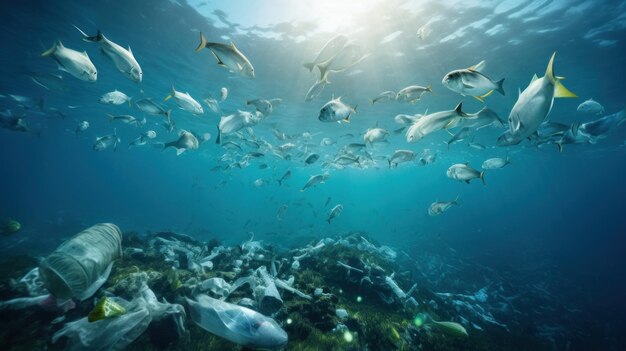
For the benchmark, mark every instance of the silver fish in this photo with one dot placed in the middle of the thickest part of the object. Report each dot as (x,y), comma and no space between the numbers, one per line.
(73,62)
(150,107)
(336,111)
(471,82)
(314,180)
(107,141)
(464,173)
(439,207)
(186,141)
(228,56)
(334,212)
(328,51)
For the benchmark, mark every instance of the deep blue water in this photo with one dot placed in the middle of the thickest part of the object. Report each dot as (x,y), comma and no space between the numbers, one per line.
(548,217)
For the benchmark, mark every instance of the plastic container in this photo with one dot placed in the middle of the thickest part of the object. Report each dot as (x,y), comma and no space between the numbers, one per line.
(75,268)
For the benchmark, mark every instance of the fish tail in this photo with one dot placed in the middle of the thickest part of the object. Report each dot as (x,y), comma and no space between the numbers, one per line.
(560,91)
(500,86)
(53,49)
(559,144)
(459,109)
(171,95)
(309,66)
(372,101)
(456,200)
(168,114)
(482,177)
(324,72)
(202,44)
(218,140)
(96,38)
(430,87)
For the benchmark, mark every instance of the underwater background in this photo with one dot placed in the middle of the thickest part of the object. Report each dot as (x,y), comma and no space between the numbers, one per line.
(550,221)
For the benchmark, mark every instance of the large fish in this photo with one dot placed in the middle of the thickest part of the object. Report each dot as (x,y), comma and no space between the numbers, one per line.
(349,56)
(185,102)
(375,135)
(471,82)
(434,122)
(533,106)
(123,59)
(235,122)
(228,56)
(330,49)
(73,62)
(602,125)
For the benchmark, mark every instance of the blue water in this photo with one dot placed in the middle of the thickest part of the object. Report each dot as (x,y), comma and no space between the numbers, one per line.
(550,218)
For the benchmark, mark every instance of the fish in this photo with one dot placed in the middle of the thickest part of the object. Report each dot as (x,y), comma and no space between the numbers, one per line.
(603,125)
(486,117)
(464,173)
(406,119)
(349,56)
(471,82)
(128,119)
(311,159)
(439,207)
(73,62)
(315,90)
(213,105)
(400,156)
(334,212)
(285,176)
(383,97)
(462,134)
(328,51)
(223,94)
(281,212)
(259,182)
(150,107)
(186,141)
(327,142)
(235,122)
(533,106)
(107,141)
(496,163)
(476,146)
(143,138)
(315,180)
(434,122)
(81,127)
(347,159)
(412,93)
(336,111)
(424,31)
(591,107)
(16,124)
(10,226)
(123,59)
(375,135)
(48,81)
(185,102)
(327,201)
(261,105)
(228,56)
(574,136)
(105,308)
(115,98)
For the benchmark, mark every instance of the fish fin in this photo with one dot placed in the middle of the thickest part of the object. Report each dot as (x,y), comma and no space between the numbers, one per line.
(309,66)
(430,87)
(500,86)
(94,39)
(111,117)
(480,98)
(560,91)
(202,44)
(459,109)
(456,201)
(519,92)
(534,78)
(218,140)
(180,151)
(354,111)
(549,70)
(347,119)
(239,66)
(482,177)
(171,95)
(559,144)
(53,49)
(478,67)
(168,113)
(466,181)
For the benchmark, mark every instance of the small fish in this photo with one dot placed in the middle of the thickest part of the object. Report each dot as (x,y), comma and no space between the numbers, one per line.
(261,105)
(315,90)
(315,180)
(476,146)
(412,93)
(11,226)
(327,201)
(281,212)
(591,107)
(185,102)
(186,141)
(434,122)
(228,56)
(105,308)
(400,156)
(311,159)
(336,111)
(128,119)
(213,105)
(150,107)
(471,82)
(115,98)
(123,59)
(375,135)
(334,212)
(496,163)
(223,94)
(464,173)
(73,62)
(259,183)
(81,127)
(328,51)
(143,139)
(107,141)
(439,207)
(285,176)
(385,96)
(327,142)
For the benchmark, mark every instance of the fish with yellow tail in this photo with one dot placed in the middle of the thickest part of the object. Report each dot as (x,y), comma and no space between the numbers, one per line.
(533,106)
